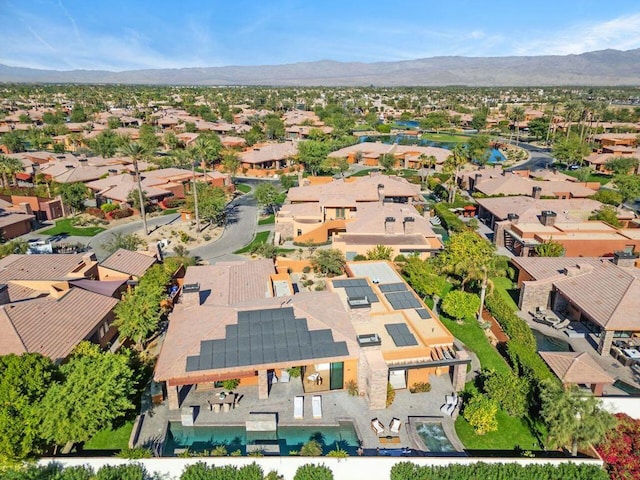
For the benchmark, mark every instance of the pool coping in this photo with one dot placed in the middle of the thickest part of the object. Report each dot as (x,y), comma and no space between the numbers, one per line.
(449,429)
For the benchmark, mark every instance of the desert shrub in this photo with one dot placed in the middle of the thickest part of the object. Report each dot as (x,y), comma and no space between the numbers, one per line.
(391,394)
(96,212)
(109,207)
(306,269)
(121,213)
(312,448)
(230,384)
(420,387)
(481,412)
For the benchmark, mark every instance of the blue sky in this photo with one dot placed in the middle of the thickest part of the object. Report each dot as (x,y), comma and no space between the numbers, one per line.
(135,34)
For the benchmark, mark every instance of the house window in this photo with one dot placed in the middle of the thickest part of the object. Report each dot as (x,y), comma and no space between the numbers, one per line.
(299,232)
(628,249)
(340,213)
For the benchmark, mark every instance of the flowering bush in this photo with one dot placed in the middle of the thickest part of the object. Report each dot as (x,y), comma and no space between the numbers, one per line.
(121,213)
(620,448)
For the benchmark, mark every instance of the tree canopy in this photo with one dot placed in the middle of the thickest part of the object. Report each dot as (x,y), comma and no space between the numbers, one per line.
(266,194)
(74,195)
(211,202)
(328,262)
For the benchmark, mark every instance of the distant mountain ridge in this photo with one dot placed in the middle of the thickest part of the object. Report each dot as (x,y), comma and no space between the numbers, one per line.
(599,68)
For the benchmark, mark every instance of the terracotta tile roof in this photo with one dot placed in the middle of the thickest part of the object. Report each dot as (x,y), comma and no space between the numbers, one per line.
(528,208)
(39,267)
(608,294)
(53,327)
(126,261)
(375,148)
(269,152)
(230,283)
(576,367)
(190,325)
(517,185)
(370,218)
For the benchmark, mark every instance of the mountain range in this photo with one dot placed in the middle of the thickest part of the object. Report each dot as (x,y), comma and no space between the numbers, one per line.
(599,68)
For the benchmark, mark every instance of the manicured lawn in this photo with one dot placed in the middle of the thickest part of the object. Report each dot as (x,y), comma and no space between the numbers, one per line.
(169,211)
(261,237)
(511,432)
(111,439)
(64,227)
(445,137)
(268,220)
(243,187)
(474,338)
(601,179)
(502,287)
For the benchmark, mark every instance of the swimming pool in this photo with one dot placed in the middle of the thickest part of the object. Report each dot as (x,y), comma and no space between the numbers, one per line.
(434,437)
(199,439)
(546,343)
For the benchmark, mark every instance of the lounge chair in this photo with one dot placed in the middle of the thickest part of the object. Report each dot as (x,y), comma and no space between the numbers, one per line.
(316,406)
(451,402)
(563,324)
(298,407)
(394,426)
(284,376)
(376,426)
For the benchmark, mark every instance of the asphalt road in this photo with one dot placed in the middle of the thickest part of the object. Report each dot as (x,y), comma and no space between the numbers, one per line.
(540,159)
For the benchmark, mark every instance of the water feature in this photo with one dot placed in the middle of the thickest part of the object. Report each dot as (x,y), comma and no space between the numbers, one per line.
(199,439)
(547,343)
(434,437)
(495,155)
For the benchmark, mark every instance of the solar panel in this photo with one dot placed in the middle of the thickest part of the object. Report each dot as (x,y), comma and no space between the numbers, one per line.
(402,300)
(350,282)
(362,291)
(401,335)
(424,313)
(393,287)
(267,336)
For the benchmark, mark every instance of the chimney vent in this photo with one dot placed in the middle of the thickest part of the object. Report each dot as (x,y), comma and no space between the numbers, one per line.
(536,193)
(513,218)
(624,259)
(548,218)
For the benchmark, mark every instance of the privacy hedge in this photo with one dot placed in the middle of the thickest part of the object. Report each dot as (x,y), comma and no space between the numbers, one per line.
(527,362)
(515,327)
(498,471)
(449,219)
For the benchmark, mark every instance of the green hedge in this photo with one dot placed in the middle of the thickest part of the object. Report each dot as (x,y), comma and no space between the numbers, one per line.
(449,219)
(527,362)
(515,327)
(498,471)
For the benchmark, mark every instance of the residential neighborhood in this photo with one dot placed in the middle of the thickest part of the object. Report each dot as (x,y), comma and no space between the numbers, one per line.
(317,275)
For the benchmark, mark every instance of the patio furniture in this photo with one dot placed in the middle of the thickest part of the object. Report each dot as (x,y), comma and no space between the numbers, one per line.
(284,376)
(226,407)
(313,377)
(451,402)
(217,407)
(298,407)
(562,324)
(394,426)
(316,406)
(377,426)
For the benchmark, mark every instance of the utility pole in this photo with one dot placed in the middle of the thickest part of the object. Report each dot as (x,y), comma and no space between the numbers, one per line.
(142,209)
(195,201)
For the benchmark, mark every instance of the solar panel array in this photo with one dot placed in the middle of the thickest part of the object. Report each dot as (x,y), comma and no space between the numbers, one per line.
(393,287)
(402,300)
(401,335)
(424,313)
(357,287)
(266,336)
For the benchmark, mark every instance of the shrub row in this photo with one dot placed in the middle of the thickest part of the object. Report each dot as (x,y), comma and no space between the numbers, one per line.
(121,213)
(498,471)
(449,219)
(515,327)
(527,362)
(136,471)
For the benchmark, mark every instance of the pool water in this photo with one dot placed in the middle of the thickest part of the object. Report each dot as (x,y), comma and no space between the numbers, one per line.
(625,387)
(550,344)
(198,439)
(434,437)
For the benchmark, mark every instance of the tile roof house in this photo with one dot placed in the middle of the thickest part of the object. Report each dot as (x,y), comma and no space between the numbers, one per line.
(522,223)
(42,311)
(125,264)
(408,155)
(510,184)
(272,156)
(231,324)
(314,212)
(577,368)
(602,293)
(157,184)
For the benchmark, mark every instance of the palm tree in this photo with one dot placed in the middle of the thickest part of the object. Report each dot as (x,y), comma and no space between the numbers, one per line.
(459,157)
(203,149)
(517,115)
(571,111)
(137,152)
(9,166)
(426,160)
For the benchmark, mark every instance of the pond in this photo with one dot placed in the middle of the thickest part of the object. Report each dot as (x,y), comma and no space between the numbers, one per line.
(199,439)
(495,155)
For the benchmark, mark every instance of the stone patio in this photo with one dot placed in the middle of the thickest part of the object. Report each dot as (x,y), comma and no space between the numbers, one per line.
(337,406)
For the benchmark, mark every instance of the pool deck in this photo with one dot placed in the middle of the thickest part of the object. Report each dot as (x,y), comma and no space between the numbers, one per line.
(337,407)
(589,343)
